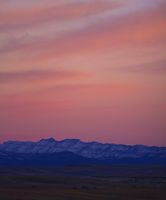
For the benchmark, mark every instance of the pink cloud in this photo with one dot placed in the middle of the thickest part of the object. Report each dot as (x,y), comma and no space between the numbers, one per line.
(39,75)
(83,68)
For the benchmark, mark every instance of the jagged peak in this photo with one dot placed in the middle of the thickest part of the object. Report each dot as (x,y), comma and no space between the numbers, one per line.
(71,140)
(51,139)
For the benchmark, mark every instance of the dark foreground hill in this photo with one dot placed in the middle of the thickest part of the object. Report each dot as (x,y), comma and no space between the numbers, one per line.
(43,159)
(38,185)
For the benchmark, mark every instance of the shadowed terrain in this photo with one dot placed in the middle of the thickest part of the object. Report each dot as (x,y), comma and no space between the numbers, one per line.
(75,183)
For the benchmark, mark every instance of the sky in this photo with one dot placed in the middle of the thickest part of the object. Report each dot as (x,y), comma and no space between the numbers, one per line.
(87,69)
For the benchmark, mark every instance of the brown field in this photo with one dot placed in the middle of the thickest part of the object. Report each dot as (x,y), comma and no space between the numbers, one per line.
(42,187)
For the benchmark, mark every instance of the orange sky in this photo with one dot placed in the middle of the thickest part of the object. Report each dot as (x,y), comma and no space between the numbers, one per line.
(88,69)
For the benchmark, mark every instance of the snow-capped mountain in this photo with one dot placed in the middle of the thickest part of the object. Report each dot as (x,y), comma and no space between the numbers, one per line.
(92,150)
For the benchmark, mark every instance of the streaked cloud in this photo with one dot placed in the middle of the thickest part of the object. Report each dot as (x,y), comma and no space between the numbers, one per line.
(93,68)
(154,68)
(114,18)
(39,75)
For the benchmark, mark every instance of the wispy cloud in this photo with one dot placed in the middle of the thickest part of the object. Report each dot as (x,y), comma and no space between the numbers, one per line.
(69,60)
(157,67)
(110,22)
(39,75)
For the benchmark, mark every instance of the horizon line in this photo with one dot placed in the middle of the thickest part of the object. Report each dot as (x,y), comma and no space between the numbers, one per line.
(92,141)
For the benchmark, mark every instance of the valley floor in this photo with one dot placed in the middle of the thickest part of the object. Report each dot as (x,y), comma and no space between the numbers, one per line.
(38,184)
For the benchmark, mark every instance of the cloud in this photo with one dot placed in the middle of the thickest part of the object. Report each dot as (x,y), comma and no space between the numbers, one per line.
(155,67)
(112,24)
(39,75)
(33,15)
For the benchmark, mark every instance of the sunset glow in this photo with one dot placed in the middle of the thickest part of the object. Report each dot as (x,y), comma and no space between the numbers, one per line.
(88,69)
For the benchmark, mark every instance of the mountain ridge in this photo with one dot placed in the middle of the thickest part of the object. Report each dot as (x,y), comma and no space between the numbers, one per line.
(52,139)
(94,150)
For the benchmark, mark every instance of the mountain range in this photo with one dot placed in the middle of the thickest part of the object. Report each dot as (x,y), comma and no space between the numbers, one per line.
(51,152)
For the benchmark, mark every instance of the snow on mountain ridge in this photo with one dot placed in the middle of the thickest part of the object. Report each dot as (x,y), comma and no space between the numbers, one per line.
(86,149)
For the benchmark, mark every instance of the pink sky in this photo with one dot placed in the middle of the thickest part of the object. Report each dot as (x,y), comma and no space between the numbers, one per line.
(88,69)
